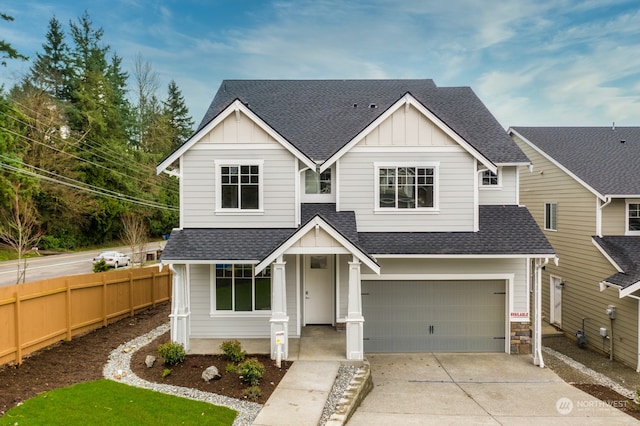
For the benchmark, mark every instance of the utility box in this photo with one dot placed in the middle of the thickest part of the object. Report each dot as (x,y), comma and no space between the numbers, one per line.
(603,332)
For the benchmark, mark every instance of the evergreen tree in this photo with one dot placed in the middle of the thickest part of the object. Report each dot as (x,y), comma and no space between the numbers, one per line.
(51,70)
(6,50)
(180,121)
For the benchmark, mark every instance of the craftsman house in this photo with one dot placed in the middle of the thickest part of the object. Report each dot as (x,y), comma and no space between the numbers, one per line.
(584,191)
(386,208)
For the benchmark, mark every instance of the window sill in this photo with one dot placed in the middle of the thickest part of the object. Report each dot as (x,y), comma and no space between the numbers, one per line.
(490,187)
(406,211)
(239,212)
(245,314)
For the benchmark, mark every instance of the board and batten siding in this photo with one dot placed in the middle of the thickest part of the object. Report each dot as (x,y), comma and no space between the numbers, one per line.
(472,268)
(204,325)
(238,139)
(455,182)
(581,266)
(503,194)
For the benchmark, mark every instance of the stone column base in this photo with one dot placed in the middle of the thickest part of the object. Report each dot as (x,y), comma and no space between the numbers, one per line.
(520,338)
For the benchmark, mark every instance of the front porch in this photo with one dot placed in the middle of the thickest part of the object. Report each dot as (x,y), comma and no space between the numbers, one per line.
(316,343)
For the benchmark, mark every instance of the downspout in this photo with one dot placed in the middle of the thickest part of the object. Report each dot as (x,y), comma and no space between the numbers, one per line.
(537,318)
(638,351)
(600,207)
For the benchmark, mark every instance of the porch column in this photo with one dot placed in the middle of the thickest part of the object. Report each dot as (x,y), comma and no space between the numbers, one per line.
(180,313)
(279,318)
(537,313)
(355,320)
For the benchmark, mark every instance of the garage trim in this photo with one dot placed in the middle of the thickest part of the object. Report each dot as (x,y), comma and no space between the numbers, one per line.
(508,278)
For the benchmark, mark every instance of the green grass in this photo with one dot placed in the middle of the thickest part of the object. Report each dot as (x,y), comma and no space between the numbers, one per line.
(106,402)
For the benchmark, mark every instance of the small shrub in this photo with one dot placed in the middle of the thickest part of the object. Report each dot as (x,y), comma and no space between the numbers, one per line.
(250,371)
(252,393)
(166,372)
(230,368)
(172,353)
(100,266)
(233,349)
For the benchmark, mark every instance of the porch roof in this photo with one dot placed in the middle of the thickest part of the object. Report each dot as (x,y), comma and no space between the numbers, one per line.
(622,252)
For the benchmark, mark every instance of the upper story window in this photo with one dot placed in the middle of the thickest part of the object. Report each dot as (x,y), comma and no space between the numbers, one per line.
(240,185)
(551,216)
(633,217)
(490,179)
(238,289)
(406,187)
(315,183)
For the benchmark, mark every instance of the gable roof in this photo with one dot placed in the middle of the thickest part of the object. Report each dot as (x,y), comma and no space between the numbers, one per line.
(624,254)
(319,117)
(603,159)
(504,231)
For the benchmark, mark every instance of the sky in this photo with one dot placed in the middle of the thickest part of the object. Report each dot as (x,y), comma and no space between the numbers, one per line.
(533,63)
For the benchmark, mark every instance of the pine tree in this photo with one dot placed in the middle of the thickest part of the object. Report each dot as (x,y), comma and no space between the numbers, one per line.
(179,118)
(6,50)
(51,70)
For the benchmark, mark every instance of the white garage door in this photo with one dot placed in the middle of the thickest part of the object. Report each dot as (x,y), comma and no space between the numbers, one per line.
(434,316)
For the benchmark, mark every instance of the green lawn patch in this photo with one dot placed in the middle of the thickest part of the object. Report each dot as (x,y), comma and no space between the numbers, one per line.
(106,402)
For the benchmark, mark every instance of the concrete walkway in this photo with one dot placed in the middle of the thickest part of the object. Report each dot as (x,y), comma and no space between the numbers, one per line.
(301,395)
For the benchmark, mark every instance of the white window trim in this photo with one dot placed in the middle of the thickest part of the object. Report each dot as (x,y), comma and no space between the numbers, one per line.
(491,187)
(218,164)
(318,198)
(626,217)
(213,312)
(545,216)
(418,164)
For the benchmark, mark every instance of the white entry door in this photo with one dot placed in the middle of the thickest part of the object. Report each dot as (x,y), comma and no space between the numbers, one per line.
(555,292)
(318,283)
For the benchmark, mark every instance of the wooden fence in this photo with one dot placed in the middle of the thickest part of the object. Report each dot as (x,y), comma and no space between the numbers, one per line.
(40,313)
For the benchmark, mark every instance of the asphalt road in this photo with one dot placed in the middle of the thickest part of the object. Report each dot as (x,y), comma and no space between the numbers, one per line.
(59,265)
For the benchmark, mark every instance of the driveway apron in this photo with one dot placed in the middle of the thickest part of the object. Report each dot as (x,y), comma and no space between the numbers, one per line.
(491,389)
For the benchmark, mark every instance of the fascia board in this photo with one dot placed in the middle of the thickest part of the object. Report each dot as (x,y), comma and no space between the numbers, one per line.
(404,100)
(558,164)
(465,256)
(606,255)
(317,221)
(624,292)
(234,107)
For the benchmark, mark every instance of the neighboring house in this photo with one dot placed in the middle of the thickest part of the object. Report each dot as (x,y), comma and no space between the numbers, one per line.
(387,208)
(584,190)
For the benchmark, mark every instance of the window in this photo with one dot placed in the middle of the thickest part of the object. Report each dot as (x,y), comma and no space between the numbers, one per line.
(315,183)
(551,216)
(237,289)
(489,178)
(406,187)
(633,217)
(240,185)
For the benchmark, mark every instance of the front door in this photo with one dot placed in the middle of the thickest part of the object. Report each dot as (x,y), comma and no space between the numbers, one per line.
(318,282)
(556,301)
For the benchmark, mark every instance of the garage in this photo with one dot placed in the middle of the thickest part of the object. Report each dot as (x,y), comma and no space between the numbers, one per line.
(434,316)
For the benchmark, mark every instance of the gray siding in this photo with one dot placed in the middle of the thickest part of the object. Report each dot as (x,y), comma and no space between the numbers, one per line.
(581,266)
(456,192)
(199,195)
(505,194)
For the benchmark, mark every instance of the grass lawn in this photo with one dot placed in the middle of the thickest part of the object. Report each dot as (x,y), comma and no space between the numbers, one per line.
(105,402)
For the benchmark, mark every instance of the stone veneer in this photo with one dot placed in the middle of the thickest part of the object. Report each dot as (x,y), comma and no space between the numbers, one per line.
(520,338)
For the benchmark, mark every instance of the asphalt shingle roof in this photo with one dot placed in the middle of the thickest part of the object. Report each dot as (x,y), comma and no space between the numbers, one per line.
(597,155)
(504,230)
(321,116)
(625,252)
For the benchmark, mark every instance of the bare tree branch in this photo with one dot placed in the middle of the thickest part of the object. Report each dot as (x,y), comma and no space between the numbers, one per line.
(135,235)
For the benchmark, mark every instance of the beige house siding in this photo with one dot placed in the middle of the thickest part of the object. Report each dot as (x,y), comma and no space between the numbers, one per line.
(614,217)
(581,266)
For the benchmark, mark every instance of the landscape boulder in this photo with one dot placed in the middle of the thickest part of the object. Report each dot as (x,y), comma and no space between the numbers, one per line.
(210,373)
(150,360)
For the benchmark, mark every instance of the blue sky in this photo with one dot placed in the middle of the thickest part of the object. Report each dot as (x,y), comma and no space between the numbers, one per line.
(560,62)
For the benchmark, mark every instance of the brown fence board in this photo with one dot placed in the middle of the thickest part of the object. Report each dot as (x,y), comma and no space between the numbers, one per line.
(37,314)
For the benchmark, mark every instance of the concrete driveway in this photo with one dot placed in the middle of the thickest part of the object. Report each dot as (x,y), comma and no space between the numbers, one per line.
(491,389)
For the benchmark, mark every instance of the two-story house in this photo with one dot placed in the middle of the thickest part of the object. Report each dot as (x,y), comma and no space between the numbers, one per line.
(386,208)
(584,191)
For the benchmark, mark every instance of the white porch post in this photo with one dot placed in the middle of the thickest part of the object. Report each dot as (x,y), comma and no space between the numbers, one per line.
(180,312)
(537,313)
(279,318)
(355,320)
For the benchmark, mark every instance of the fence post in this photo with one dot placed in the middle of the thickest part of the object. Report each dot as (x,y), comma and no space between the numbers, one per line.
(131,307)
(153,287)
(68,286)
(18,337)
(104,299)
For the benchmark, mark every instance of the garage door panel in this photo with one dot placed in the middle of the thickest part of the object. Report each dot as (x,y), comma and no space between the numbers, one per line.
(434,316)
